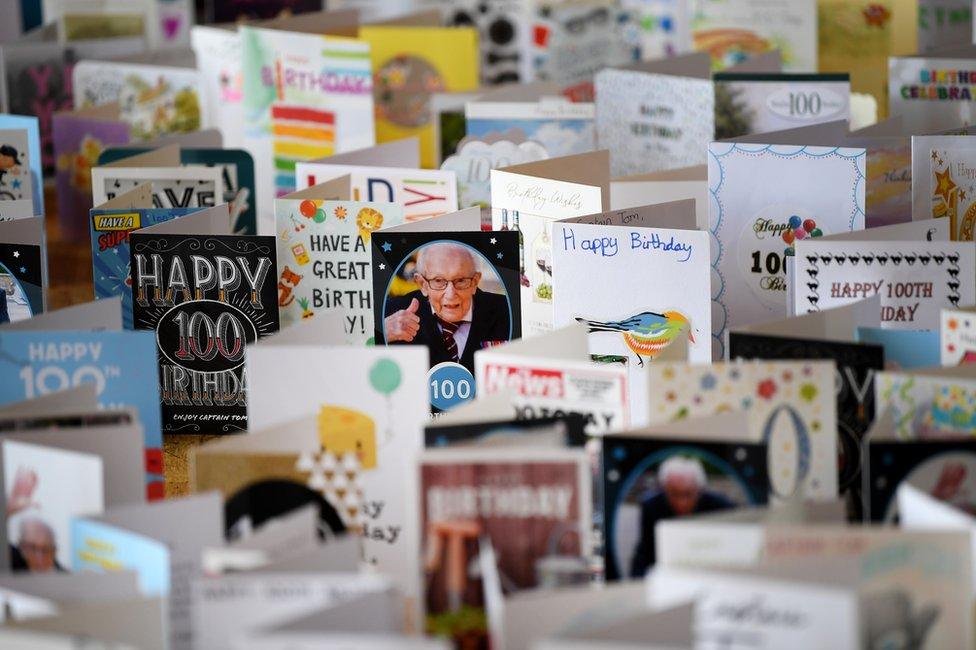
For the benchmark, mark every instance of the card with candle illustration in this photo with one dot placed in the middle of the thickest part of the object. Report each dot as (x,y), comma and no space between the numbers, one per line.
(790,405)
(324,258)
(206,297)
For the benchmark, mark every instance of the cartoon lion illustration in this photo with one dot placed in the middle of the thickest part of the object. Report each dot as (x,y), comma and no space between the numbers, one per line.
(367,221)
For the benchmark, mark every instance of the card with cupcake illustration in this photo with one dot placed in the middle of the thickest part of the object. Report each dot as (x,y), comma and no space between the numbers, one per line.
(930,402)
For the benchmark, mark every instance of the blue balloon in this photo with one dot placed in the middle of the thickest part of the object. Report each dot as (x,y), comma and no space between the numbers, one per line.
(795,222)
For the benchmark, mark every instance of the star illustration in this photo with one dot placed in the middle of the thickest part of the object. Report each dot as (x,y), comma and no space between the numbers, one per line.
(494,241)
(387,247)
(23,269)
(16,184)
(16,253)
(499,256)
(382,267)
(944,185)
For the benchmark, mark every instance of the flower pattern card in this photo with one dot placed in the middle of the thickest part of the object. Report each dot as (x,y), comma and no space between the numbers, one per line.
(655,116)
(324,259)
(791,407)
(759,103)
(305,96)
(154,99)
(206,297)
(958,337)
(528,198)
(914,279)
(23,269)
(817,191)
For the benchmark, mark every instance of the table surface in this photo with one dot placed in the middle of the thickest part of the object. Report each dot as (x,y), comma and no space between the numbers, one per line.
(70,275)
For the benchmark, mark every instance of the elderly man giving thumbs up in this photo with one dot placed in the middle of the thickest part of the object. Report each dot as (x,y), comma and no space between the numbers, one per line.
(449,313)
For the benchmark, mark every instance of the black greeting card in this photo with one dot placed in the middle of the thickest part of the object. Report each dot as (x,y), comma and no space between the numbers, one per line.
(206,297)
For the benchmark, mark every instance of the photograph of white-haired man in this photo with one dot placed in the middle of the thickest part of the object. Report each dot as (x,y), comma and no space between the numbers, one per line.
(449,313)
(682,490)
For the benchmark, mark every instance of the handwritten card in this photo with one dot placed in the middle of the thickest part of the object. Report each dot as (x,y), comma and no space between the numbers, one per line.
(634,323)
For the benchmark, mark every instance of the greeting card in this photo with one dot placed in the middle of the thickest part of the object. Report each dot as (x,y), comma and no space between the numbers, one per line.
(857,36)
(79,138)
(370,417)
(915,279)
(958,337)
(110,226)
(731,32)
(931,93)
(479,423)
(933,196)
(655,115)
(206,296)
(550,523)
(663,187)
(951,175)
(929,402)
(324,257)
(154,99)
(21,179)
(237,174)
(231,11)
(453,292)
(759,103)
(888,194)
(755,227)
(290,113)
(410,61)
(60,466)
(120,365)
(643,476)
(387,173)
(23,269)
(791,407)
(528,198)
(830,334)
(173,186)
(553,375)
(635,326)
(943,23)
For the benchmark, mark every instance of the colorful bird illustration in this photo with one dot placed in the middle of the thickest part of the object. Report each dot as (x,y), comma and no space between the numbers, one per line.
(647,333)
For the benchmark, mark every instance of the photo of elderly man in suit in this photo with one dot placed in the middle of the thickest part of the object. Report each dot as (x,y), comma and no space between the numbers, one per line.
(449,313)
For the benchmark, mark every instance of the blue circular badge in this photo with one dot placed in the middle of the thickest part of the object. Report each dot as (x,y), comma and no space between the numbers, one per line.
(450,384)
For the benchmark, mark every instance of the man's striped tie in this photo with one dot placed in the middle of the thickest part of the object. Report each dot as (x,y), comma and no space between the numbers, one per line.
(447,331)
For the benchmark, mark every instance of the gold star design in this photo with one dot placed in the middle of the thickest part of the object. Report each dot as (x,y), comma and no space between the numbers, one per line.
(944,185)
(962,195)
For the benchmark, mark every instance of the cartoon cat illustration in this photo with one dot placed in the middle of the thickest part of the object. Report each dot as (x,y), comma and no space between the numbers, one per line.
(289,280)
(367,221)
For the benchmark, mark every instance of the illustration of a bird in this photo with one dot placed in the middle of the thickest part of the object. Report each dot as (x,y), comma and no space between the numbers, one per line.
(647,333)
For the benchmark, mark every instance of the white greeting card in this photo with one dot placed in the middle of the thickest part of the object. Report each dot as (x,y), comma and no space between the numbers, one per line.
(931,93)
(791,406)
(594,266)
(915,279)
(528,198)
(376,407)
(763,198)
(958,336)
(655,115)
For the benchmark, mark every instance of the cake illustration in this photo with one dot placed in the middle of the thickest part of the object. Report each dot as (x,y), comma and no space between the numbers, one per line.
(953,411)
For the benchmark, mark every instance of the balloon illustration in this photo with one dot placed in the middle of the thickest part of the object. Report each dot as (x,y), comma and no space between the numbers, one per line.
(385,376)
(788,236)
(319,216)
(809,225)
(795,222)
(307,208)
